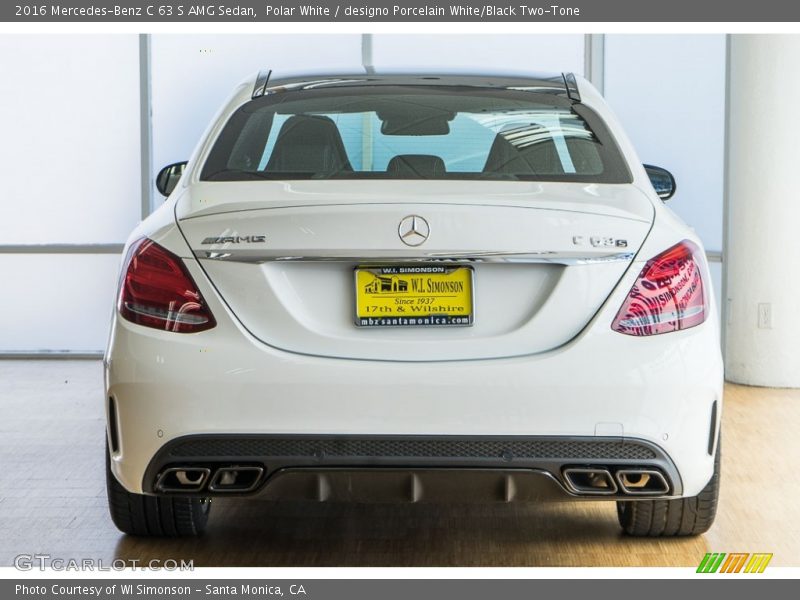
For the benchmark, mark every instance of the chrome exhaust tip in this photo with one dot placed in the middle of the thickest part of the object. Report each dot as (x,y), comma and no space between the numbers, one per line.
(183,479)
(236,479)
(642,482)
(590,481)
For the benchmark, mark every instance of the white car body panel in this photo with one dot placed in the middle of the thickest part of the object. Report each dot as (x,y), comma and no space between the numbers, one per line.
(539,291)
(277,362)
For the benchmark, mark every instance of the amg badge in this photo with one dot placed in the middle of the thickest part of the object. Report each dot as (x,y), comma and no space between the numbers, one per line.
(236,239)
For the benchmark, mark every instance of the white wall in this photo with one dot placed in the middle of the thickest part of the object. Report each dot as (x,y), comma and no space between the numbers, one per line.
(69,117)
(669,93)
(546,53)
(56,302)
(764,324)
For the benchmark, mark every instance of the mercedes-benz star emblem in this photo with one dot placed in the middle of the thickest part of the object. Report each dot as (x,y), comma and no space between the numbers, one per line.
(413,230)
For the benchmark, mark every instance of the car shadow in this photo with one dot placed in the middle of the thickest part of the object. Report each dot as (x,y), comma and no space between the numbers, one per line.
(245,532)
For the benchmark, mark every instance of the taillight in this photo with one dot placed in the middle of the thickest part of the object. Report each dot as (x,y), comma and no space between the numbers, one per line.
(157,291)
(668,294)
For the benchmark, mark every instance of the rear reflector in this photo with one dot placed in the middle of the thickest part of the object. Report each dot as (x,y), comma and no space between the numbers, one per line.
(157,291)
(668,294)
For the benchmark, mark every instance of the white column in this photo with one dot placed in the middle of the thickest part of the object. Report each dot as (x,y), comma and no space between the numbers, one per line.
(762,257)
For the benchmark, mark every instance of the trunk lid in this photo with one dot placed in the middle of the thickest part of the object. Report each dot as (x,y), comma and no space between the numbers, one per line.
(544,257)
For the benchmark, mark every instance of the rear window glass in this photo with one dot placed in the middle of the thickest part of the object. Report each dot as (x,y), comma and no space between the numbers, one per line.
(404,132)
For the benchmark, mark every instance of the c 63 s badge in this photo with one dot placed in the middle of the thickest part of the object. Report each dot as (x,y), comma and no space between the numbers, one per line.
(599,241)
(236,239)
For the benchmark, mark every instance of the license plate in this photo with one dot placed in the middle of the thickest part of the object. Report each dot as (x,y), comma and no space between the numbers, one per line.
(414,296)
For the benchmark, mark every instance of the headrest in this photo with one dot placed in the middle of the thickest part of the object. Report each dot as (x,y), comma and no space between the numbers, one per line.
(309,144)
(422,166)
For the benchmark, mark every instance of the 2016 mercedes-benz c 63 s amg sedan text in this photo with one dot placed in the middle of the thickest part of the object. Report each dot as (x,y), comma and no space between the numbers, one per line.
(414,287)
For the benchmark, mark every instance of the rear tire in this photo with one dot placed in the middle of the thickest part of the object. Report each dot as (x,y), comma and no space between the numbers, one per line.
(154,516)
(681,517)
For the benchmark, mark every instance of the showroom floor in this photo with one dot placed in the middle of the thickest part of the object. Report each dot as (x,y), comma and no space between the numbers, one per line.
(52,499)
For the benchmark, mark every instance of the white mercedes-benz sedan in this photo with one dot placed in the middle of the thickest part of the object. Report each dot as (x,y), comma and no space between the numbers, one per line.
(414,287)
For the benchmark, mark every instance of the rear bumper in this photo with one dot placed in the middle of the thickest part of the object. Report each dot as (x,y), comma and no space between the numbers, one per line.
(601,386)
(412,468)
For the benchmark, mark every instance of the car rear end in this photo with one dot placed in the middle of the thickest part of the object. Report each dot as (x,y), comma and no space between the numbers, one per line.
(415,289)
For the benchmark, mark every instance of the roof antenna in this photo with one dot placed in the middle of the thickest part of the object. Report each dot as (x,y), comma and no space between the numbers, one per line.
(261,83)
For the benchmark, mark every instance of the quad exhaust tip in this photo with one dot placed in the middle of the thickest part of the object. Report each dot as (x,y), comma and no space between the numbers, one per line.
(239,478)
(642,482)
(599,481)
(587,480)
(183,479)
(236,479)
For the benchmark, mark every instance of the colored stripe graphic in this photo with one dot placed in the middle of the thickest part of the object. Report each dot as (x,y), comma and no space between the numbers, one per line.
(710,562)
(734,562)
(714,562)
(758,562)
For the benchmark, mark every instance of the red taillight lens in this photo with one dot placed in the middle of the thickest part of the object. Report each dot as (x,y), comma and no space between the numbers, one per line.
(157,291)
(668,295)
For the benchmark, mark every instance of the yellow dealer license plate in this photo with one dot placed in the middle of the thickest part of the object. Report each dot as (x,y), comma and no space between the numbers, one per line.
(414,296)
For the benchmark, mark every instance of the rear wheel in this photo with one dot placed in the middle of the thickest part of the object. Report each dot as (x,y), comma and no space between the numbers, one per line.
(156,516)
(684,516)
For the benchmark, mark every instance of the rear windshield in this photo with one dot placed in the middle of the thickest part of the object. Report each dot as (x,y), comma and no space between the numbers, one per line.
(405,132)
